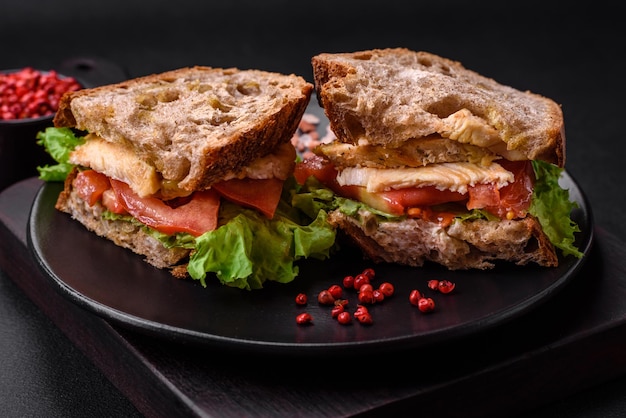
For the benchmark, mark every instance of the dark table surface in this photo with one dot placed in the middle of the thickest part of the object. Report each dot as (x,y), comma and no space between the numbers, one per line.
(573,55)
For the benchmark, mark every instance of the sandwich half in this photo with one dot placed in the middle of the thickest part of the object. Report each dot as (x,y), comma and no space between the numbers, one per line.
(192,169)
(435,162)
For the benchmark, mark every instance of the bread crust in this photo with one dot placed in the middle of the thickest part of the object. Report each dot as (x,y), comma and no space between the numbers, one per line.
(463,245)
(397,107)
(196,125)
(413,92)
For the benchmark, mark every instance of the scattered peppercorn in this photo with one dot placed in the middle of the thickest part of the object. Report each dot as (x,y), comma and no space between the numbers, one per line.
(415,296)
(363,316)
(337,309)
(301,299)
(366,287)
(445,286)
(369,272)
(348,282)
(426,305)
(386,289)
(367,294)
(325,297)
(360,280)
(336,291)
(304,319)
(344,318)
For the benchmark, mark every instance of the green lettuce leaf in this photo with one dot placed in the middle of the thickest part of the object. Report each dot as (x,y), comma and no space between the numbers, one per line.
(248,249)
(314,197)
(59,143)
(552,207)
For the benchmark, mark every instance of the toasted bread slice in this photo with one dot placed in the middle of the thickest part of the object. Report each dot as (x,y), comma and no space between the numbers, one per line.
(385,97)
(461,246)
(194,125)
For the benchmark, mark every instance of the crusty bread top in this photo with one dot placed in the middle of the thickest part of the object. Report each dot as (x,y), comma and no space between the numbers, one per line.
(194,125)
(387,96)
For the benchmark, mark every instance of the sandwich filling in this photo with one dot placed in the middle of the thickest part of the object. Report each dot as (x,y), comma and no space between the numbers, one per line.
(120,162)
(437,191)
(113,175)
(442,181)
(422,139)
(462,163)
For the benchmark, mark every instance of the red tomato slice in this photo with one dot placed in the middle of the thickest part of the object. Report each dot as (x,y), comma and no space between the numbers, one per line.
(260,194)
(315,166)
(90,185)
(422,196)
(112,203)
(511,201)
(396,202)
(517,196)
(195,217)
(482,196)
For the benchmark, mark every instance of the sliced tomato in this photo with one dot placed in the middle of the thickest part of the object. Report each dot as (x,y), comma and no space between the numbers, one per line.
(517,197)
(482,196)
(512,200)
(112,203)
(396,202)
(90,185)
(422,196)
(262,194)
(195,217)
(317,167)
(380,201)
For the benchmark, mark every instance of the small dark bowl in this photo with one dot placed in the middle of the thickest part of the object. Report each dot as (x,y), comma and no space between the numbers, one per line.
(19,153)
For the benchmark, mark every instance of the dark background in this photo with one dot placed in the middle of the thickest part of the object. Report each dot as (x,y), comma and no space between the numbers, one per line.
(571,53)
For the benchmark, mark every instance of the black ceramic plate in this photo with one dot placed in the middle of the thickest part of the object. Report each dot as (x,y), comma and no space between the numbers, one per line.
(119,286)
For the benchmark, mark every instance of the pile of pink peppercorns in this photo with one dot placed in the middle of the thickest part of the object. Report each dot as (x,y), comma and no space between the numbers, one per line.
(367,294)
(29,93)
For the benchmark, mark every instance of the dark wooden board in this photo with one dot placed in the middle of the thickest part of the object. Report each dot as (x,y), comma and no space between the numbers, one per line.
(572,343)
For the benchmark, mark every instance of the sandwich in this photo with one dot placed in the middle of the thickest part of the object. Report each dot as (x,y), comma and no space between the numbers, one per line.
(191,169)
(433,162)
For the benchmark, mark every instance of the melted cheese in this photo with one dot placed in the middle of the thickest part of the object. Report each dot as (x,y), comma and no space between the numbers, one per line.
(119,162)
(445,176)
